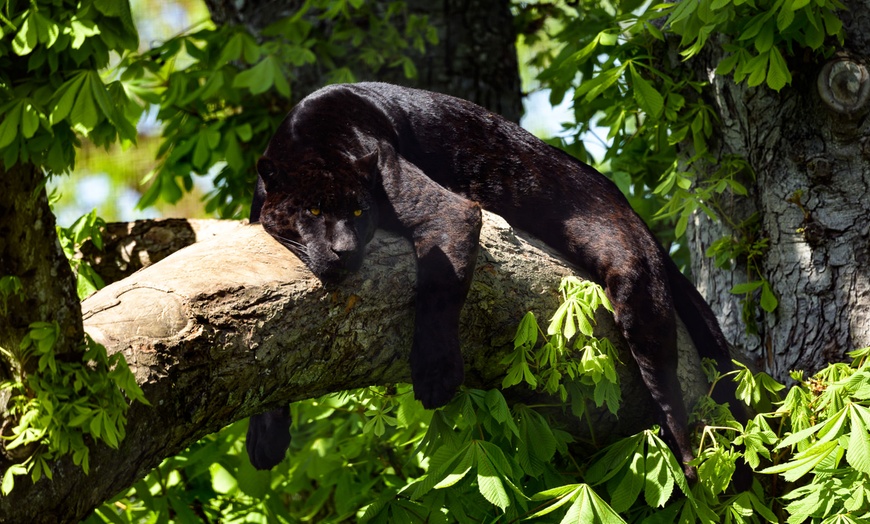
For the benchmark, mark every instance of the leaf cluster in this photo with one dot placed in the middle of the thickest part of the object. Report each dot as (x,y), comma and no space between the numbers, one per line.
(51,88)
(86,227)
(572,361)
(220,92)
(64,405)
(606,57)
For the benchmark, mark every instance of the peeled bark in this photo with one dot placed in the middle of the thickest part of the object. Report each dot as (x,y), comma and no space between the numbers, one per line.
(809,146)
(236,325)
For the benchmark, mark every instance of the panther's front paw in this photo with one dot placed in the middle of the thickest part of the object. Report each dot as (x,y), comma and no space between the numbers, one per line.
(436,377)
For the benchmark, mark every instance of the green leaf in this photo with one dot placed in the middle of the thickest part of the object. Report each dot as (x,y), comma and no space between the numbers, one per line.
(757,69)
(858,453)
(602,38)
(814,32)
(26,37)
(244,132)
(232,50)
(201,153)
(593,87)
(9,125)
(562,494)
(488,479)
(768,299)
(626,492)
(84,115)
(588,508)
(257,79)
(717,468)
(81,30)
(96,424)
(803,462)
(758,433)
(264,75)
(658,484)
(68,92)
(108,7)
(649,100)
(527,331)
(29,119)
(441,464)
(785,16)
(826,429)
(459,471)
(615,457)
(283,87)
(85,284)
(778,74)
(682,223)
(682,11)
(833,24)
(101,95)
(46,30)
(9,477)
(746,287)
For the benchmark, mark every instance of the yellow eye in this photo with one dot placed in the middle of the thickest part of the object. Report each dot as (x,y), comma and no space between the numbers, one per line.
(357,212)
(314,211)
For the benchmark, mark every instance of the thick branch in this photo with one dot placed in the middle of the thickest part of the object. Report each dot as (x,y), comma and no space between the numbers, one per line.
(234,325)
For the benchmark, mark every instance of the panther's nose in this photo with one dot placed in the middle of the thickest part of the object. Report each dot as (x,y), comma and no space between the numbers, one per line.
(344,254)
(344,243)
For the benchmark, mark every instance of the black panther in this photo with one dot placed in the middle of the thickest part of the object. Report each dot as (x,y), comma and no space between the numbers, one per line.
(350,158)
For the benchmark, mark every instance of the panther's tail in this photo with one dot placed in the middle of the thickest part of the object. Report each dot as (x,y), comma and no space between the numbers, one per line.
(706,335)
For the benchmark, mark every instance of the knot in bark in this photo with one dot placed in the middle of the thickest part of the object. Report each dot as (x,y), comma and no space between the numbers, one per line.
(844,86)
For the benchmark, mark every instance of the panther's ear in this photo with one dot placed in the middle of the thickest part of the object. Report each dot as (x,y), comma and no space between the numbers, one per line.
(268,171)
(368,165)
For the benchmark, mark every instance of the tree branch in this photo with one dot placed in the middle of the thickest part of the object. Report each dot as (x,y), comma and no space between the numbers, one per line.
(235,325)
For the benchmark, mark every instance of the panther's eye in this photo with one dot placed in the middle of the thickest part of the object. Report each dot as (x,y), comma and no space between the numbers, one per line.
(357,212)
(314,211)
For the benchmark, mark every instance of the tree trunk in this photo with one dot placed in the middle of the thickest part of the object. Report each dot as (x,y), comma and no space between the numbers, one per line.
(475,57)
(809,146)
(29,250)
(235,325)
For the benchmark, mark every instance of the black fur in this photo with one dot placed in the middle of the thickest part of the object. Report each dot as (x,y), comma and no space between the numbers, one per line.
(423,164)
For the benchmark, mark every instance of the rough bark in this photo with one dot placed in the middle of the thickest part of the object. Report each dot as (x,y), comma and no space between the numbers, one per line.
(475,57)
(808,146)
(235,325)
(29,249)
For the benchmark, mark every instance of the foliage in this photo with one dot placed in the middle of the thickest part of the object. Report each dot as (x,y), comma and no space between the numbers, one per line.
(10,285)
(659,125)
(221,91)
(87,227)
(590,362)
(51,88)
(64,403)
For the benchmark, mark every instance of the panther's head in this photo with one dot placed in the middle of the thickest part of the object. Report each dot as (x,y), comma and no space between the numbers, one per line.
(324,214)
